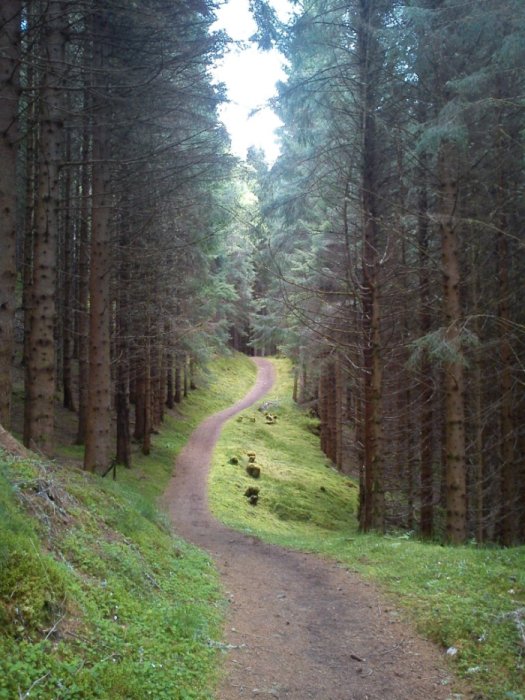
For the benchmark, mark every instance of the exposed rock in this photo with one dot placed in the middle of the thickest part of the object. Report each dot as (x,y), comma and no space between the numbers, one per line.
(253,470)
(252,494)
(267,405)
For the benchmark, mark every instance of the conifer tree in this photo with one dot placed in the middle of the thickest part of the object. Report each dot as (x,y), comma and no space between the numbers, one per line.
(10,56)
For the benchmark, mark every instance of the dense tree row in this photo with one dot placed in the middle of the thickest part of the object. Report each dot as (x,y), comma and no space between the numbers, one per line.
(396,213)
(112,164)
(383,251)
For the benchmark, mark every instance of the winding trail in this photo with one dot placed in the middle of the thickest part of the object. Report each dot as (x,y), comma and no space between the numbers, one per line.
(299,627)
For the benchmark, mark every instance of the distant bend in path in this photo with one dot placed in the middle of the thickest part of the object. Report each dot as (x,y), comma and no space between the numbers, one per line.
(187,494)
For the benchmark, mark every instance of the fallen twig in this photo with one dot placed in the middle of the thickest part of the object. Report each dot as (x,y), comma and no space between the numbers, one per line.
(53,628)
(24,696)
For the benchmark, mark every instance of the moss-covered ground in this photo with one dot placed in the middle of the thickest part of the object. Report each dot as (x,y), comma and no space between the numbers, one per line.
(98,599)
(470,600)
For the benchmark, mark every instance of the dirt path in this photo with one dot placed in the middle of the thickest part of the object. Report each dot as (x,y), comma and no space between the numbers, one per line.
(299,627)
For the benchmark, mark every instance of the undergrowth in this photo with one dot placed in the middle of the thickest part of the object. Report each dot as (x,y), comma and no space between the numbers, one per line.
(469,600)
(98,599)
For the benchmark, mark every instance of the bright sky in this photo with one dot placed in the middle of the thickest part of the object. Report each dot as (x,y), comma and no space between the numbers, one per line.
(250,76)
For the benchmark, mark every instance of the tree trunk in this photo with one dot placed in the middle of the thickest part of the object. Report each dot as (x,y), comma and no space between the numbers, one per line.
(67,287)
(98,416)
(508,480)
(83,281)
(185,377)
(146,437)
(477,397)
(521,477)
(295,389)
(322,409)
(177,397)
(40,390)
(369,56)
(157,402)
(122,405)
(372,367)
(455,458)
(303,380)
(193,372)
(425,381)
(162,383)
(123,455)
(340,412)
(140,393)
(9,93)
(331,411)
(31,171)
(170,385)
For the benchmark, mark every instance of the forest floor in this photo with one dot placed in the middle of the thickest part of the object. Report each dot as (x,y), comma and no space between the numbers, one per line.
(298,626)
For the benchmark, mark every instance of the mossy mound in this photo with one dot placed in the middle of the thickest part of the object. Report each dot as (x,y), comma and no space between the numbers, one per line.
(97,599)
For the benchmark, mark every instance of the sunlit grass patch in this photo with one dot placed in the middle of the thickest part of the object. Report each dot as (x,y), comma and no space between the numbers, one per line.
(299,490)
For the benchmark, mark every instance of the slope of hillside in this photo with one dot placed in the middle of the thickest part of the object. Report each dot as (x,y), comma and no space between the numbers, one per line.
(98,599)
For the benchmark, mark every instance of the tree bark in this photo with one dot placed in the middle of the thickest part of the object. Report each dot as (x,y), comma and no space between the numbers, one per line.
(185,376)
(322,409)
(140,389)
(177,397)
(369,56)
(425,370)
(122,404)
(340,415)
(454,382)
(31,170)
(331,410)
(170,385)
(40,389)
(192,374)
(295,389)
(146,437)
(67,287)
(9,93)
(98,416)
(83,278)
(508,481)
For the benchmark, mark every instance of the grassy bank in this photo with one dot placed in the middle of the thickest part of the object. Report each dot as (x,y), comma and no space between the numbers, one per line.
(468,599)
(97,598)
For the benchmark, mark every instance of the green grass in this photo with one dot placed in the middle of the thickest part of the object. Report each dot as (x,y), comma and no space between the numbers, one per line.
(97,598)
(471,598)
